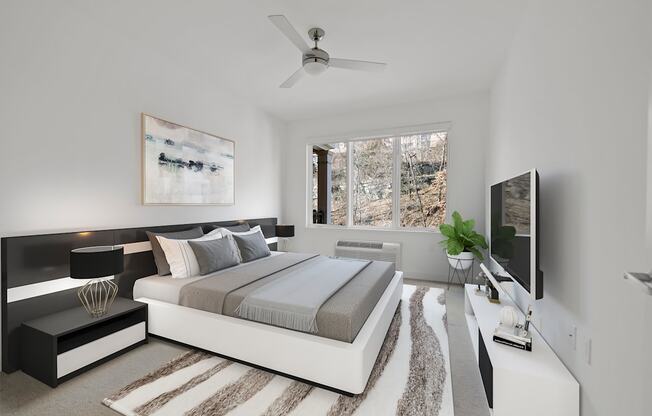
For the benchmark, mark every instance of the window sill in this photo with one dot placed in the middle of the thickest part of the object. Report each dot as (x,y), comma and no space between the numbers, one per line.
(370,228)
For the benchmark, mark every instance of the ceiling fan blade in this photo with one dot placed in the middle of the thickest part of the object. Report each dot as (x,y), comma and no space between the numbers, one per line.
(294,78)
(357,65)
(289,31)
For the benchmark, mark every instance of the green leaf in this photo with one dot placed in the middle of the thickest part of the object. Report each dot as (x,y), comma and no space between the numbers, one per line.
(477,253)
(447,230)
(478,240)
(454,247)
(468,226)
(467,241)
(458,223)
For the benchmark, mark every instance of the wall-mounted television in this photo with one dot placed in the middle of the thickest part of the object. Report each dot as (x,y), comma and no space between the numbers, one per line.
(514,236)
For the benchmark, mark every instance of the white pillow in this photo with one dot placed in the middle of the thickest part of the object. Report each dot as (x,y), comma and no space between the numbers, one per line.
(254,230)
(180,255)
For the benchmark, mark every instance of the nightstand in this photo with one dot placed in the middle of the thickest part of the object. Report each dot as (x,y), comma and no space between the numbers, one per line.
(60,346)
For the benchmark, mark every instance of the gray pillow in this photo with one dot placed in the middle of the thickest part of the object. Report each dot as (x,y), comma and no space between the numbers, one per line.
(159,256)
(214,255)
(252,246)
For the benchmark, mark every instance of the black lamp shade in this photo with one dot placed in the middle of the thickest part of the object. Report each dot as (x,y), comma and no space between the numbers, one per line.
(94,262)
(285,230)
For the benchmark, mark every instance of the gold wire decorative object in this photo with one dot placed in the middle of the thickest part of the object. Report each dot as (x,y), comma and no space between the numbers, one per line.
(97,296)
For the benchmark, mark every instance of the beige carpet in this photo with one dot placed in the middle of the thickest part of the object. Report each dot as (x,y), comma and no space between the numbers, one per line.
(411,377)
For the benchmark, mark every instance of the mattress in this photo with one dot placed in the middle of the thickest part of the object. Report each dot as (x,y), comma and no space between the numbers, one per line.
(340,318)
(167,289)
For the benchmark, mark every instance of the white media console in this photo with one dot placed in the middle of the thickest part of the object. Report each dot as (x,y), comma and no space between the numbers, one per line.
(517,382)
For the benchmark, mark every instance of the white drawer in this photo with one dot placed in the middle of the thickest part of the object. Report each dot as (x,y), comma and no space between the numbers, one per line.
(89,353)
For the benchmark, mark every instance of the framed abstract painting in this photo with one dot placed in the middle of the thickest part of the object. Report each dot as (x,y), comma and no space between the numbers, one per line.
(184,166)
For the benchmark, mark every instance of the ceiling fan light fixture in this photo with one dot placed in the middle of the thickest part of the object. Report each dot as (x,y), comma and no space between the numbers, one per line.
(314,67)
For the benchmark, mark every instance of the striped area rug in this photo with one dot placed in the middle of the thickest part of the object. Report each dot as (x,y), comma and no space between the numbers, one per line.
(411,377)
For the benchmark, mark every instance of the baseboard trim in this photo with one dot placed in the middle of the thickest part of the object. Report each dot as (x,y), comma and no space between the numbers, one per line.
(424,276)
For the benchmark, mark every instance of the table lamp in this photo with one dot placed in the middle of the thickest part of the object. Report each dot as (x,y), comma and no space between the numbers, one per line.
(97,264)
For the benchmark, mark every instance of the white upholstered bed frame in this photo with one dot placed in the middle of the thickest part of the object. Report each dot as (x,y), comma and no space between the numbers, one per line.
(336,364)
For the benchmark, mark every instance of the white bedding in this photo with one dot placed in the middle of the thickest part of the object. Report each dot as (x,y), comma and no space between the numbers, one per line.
(167,289)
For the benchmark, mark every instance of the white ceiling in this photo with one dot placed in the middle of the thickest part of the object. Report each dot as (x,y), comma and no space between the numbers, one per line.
(433,48)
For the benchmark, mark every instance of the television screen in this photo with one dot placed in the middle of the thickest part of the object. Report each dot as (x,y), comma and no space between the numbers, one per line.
(513,228)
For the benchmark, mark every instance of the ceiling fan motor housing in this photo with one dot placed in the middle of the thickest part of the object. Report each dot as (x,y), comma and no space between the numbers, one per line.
(316,55)
(315,61)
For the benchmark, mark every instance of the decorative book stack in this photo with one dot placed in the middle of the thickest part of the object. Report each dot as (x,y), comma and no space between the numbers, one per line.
(515,337)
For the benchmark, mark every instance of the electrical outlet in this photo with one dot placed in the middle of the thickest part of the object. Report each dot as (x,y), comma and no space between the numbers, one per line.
(573,338)
(587,351)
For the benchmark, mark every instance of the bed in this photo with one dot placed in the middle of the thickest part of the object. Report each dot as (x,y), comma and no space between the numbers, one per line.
(340,353)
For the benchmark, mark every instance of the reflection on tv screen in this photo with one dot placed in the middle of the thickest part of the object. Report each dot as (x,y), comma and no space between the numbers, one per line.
(510,227)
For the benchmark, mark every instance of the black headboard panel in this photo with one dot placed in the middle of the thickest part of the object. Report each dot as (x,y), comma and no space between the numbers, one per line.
(34,259)
(28,260)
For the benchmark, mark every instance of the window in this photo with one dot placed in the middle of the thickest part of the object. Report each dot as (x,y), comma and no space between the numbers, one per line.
(387,182)
(372,182)
(423,179)
(329,196)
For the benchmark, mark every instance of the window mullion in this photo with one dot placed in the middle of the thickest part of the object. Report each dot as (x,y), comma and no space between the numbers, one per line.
(396,183)
(349,184)
(309,185)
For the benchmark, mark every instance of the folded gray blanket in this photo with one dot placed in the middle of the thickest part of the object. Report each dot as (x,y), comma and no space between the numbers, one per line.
(209,293)
(294,300)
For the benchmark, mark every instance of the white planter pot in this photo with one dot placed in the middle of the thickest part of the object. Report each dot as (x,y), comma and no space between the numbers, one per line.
(465,260)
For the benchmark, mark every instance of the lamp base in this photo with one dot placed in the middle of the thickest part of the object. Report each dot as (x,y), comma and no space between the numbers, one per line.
(97,296)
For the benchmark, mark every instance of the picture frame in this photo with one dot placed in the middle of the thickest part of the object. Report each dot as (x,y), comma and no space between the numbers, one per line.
(185,166)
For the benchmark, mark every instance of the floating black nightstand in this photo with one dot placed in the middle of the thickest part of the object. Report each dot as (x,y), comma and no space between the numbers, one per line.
(57,347)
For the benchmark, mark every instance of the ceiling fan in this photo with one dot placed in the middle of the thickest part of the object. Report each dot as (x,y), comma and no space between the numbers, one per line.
(316,60)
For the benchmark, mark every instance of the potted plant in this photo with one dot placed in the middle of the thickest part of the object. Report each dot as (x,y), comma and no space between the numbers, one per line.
(462,243)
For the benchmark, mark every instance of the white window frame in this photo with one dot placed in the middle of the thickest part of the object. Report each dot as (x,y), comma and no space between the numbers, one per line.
(396,173)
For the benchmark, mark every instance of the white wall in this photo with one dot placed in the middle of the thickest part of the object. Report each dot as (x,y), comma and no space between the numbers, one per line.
(422,256)
(71,93)
(572,101)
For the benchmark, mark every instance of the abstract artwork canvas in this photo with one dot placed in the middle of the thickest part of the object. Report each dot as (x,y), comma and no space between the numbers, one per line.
(186,166)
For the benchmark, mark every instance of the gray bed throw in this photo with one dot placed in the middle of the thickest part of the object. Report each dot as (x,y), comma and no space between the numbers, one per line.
(209,293)
(293,301)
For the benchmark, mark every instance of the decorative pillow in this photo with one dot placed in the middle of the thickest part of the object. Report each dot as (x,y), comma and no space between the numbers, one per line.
(180,255)
(256,229)
(252,246)
(235,228)
(214,255)
(159,256)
